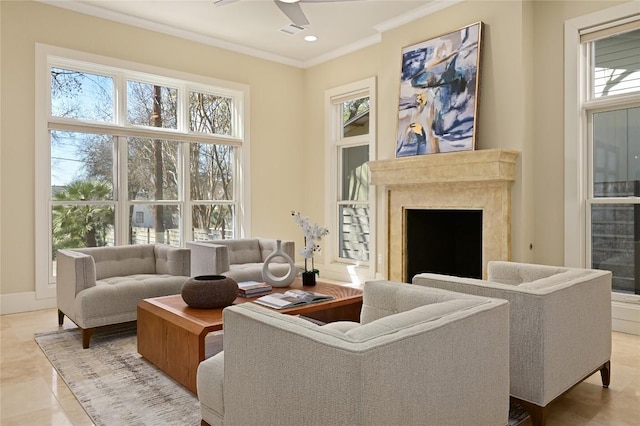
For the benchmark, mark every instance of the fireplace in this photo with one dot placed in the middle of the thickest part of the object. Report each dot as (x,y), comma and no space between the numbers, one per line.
(444,242)
(465,181)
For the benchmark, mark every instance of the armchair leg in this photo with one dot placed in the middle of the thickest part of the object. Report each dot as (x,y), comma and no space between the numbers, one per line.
(60,317)
(605,374)
(538,414)
(86,336)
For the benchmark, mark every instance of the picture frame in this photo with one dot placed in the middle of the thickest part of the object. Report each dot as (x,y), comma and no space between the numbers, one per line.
(439,88)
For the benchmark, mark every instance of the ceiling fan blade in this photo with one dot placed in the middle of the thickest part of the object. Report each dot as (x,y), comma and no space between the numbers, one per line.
(293,11)
(327,1)
(223,2)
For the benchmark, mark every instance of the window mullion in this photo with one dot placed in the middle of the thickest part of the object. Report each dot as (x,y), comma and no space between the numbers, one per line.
(122,208)
(184,195)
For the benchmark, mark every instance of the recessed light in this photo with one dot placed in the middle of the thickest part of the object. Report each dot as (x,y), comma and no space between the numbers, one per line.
(310,38)
(289,1)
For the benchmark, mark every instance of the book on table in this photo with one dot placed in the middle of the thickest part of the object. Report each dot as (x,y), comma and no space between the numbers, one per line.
(253,289)
(292,298)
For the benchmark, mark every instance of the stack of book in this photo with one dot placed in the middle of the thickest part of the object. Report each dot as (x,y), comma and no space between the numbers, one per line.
(292,298)
(253,289)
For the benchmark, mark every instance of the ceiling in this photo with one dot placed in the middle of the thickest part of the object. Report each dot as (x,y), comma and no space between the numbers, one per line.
(254,26)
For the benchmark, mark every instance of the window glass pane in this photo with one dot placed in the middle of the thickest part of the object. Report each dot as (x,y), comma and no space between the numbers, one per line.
(354,232)
(81,166)
(211,172)
(213,222)
(152,105)
(153,169)
(355,173)
(82,225)
(210,114)
(161,224)
(617,64)
(81,95)
(355,117)
(616,152)
(616,243)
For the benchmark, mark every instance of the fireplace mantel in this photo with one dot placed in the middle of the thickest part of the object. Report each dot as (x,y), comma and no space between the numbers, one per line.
(474,180)
(465,166)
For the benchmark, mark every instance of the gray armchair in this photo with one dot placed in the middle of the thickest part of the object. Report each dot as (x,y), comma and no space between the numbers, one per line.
(418,357)
(241,259)
(560,325)
(101,286)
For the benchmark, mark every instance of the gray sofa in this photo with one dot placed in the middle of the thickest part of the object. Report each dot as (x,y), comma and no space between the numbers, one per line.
(418,357)
(560,325)
(101,286)
(241,259)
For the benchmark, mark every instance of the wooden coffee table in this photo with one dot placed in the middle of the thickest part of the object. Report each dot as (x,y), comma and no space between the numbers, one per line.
(173,336)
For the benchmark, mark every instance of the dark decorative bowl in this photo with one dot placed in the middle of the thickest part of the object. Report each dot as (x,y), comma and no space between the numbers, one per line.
(209,291)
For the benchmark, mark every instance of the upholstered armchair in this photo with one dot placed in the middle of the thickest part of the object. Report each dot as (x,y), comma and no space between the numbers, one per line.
(241,259)
(560,322)
(101,286)
(418,356)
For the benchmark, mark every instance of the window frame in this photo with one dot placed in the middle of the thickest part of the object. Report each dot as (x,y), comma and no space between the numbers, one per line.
(343,268)
(52,56)
(578,144)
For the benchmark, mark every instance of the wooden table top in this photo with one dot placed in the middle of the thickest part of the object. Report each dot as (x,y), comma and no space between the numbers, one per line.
(211,319)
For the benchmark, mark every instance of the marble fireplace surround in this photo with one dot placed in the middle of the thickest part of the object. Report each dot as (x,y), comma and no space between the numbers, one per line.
(466,180)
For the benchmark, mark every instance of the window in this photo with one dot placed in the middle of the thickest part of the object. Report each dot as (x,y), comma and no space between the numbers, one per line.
(133,156)
(351,122)
(606,142)
(613,130)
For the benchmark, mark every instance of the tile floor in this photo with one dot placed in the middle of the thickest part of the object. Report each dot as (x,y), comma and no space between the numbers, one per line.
(32,393)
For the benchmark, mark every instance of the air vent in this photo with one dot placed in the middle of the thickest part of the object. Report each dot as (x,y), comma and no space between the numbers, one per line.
(292,29)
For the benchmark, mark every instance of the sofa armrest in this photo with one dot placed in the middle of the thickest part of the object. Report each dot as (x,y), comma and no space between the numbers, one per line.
(208,258)
(506,272)
(173,260)
(75,272)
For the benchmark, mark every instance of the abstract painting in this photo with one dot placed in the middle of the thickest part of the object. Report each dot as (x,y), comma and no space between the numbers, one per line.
(439,93)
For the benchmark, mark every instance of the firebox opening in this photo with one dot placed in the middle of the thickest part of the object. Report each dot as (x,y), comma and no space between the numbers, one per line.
(443,242)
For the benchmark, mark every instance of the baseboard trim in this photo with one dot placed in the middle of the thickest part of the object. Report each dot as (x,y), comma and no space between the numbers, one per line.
(625,317)
(14,303)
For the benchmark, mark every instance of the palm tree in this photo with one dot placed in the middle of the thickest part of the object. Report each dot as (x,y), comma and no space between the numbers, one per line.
(82,225)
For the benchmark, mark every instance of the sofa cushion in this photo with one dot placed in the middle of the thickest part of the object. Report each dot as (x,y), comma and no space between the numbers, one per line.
(122,260)
(387,300)
(413,317)
(341,326)
(245,250)
(504,272)
(553,280)
(115,299)
(172,260)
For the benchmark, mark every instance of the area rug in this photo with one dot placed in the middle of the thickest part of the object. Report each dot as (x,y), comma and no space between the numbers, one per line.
(116,386)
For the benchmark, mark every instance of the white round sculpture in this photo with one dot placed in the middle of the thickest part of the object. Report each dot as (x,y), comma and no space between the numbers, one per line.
(269,277)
